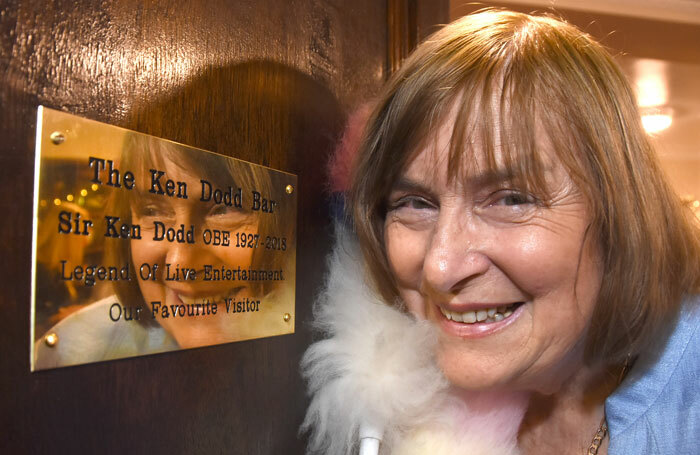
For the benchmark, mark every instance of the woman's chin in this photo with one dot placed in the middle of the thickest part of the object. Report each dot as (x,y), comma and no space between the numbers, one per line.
(485,363)
(475,383)
(474,375)
(197,337)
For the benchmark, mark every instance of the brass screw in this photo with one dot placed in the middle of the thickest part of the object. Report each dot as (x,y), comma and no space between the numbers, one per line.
(57,138)
(51,340)
(287,317)
(289,189)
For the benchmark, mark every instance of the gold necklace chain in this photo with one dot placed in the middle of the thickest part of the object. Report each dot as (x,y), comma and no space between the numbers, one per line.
(603,428)
(598,437)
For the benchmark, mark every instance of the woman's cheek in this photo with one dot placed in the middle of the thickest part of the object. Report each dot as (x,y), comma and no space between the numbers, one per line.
(406,252)
(147,250)
(536,260)
(233,256)
(148,258)
(415,304)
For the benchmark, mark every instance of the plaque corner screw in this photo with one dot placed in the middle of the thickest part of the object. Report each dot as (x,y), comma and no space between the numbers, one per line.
(51,340)
(287,317)
(289,189)
(58,138)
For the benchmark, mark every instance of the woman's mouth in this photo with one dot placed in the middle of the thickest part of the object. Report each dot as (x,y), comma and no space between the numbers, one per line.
(479,322)
(487,315)
(212,298)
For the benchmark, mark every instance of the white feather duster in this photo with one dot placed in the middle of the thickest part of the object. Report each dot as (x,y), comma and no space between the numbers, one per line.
(377,367)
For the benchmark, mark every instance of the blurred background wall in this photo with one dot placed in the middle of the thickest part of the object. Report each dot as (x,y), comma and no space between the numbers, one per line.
(309,63)
(657,43)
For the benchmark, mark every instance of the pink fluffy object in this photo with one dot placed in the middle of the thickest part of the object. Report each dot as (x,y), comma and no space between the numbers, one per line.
(341,163)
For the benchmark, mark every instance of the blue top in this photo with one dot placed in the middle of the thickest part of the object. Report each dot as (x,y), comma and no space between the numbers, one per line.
(656,410)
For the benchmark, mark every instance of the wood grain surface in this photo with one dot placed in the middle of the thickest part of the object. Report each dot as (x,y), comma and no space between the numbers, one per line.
(267,81)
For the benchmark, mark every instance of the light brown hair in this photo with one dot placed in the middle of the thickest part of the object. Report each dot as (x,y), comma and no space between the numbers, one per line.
(543,73)
(244,110)
(141,153)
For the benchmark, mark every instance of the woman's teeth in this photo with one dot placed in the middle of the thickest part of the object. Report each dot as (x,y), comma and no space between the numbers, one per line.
(218,298)
(494,314)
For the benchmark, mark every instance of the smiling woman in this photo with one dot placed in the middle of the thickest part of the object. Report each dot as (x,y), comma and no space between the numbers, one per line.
(204,244)
(517,237)
(192,271)
(176,288)
(494,267)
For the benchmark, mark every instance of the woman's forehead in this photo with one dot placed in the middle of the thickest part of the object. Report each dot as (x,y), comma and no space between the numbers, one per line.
(474,160)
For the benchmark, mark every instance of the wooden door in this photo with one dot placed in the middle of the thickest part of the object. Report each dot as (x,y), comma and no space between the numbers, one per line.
(165,68)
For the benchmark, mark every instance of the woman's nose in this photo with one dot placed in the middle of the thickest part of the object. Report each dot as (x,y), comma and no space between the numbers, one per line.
(453,257)
(180,254)
(184,252)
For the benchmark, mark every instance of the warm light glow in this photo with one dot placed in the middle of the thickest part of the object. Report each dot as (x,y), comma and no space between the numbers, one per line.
(69,198)
(651,84)
(651,81)
(94,186)
(57,201)
(653,123)
(651,91)
(83,192)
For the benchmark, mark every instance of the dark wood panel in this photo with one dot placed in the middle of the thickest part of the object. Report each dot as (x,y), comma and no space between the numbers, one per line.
(409,22)
(169,61)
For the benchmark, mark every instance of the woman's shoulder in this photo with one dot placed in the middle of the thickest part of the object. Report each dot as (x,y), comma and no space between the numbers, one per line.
(656,410)
(90,335)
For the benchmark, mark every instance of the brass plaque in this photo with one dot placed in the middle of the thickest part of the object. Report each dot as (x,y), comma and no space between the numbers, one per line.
(143,245)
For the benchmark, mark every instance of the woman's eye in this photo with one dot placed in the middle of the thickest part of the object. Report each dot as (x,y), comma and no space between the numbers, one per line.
(513,199)
(416,203)
(150,211)
(228,216)
(219,210)
(516,199)
(414,211)
(511,206)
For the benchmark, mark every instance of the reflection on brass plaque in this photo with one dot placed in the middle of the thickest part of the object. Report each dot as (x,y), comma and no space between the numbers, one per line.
(143,245)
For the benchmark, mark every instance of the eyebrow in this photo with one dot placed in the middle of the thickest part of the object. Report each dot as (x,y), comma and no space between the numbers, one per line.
(141,197)
(140,193)
(483,179)
(490,177)
(408,185)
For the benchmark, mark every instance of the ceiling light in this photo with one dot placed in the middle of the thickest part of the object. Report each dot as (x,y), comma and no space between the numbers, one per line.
(656,119)
(651,82)
(653,123)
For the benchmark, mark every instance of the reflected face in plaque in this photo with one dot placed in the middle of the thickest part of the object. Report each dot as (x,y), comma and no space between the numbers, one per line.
(179,240)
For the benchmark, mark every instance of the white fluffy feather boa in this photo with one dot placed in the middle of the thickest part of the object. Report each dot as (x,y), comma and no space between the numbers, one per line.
(376,366)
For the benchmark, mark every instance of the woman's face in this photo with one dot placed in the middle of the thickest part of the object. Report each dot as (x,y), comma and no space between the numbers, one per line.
(173,212)
(510,281)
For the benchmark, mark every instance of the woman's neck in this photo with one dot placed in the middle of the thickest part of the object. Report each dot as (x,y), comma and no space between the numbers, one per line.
(566,421)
